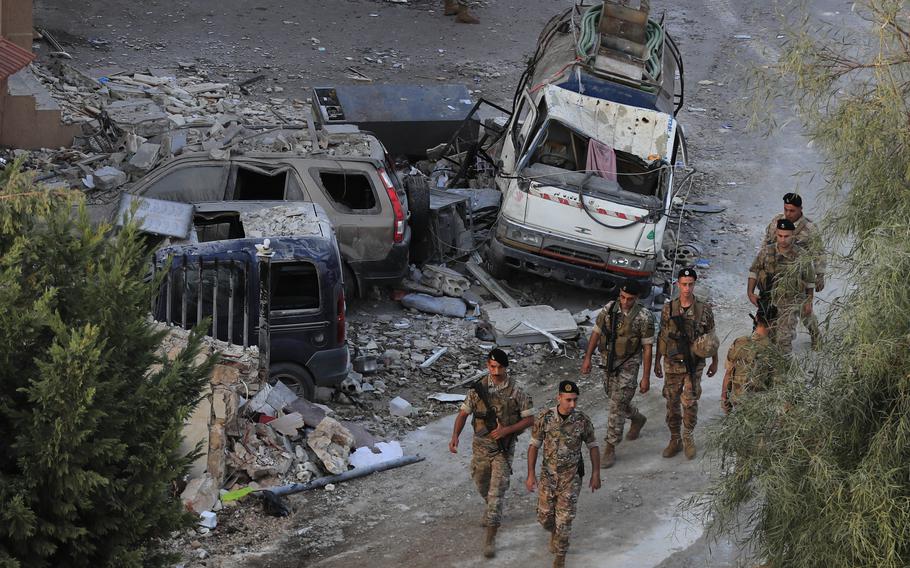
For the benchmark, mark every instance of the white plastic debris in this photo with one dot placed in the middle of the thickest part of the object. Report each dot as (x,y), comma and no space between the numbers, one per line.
(400,407)
(208,519)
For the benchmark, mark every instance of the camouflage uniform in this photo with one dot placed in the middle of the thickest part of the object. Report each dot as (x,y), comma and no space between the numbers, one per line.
(750,368)
(806,236)
(680,390)
(789,274)
(560,474)
(490,468)
(620,385)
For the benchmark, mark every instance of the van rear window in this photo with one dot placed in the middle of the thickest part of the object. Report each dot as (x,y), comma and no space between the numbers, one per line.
(295,286)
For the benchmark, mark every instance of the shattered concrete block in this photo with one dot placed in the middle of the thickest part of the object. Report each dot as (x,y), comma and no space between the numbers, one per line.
(108,178)
(445,280)
(332,444)
(280,396)
(288,424)
(400,407)
(145,157)
(139,116)
(200,494)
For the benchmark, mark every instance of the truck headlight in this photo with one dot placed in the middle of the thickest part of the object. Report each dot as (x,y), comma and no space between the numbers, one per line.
(526,237)
(626,261)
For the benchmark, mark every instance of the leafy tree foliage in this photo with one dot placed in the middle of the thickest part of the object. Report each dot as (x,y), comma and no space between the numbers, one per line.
(818,467)
(91,417)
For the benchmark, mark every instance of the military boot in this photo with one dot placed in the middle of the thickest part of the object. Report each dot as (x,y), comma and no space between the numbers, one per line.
(673,447)
(638,422)
(609,456)
(559,561)
(489,542)
(689,446)
(451,7)
(465,16)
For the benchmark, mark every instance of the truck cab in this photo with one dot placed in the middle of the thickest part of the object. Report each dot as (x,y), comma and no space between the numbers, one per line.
(589,163)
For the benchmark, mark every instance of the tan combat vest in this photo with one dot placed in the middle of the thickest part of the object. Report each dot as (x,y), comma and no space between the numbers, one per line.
(675,344)
(628,343)
(504,403)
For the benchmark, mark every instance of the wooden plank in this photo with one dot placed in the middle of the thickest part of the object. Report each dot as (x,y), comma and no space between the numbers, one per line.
(492,285)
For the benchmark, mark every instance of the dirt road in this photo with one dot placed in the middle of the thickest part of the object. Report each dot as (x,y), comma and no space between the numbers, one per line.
(427,515)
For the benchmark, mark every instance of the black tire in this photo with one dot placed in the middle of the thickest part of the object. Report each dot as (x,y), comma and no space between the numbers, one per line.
(295,377)
(351,287)
(418,191)
(496,265)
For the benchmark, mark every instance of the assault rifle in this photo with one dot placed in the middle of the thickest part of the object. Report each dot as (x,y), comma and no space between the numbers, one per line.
(683,338)
(765,303)
(611,354)
(489,418)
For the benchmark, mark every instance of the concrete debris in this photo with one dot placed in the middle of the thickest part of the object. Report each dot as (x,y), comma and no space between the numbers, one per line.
(446,280)
(288,424)
(434,357)
(208,519)
(491,284)
(400,407)
(332,443)
(108,178)
(510,324)
(446,397)
(145,157)
(200,494)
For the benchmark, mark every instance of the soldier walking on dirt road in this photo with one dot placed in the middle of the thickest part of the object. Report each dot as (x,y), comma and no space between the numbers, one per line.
(806,236)
(501,410)
(559,433)
(624,332)
(785,275)
(748,368)
(686,338)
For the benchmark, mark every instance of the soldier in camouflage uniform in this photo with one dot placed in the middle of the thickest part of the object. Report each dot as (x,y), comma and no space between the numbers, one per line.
(785,275)
(683,321)
(806,236)
(459,9)
(491,462)
(559,433)
(630,344)
(748,368)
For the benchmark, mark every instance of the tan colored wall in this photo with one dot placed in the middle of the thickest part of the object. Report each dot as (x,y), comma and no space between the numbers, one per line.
(16,22)
(24,126)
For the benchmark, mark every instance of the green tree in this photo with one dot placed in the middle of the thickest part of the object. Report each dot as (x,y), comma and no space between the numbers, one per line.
(818,467)
(91,417)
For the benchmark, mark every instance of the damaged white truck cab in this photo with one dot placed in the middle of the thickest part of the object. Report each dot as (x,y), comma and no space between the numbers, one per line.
(587,180)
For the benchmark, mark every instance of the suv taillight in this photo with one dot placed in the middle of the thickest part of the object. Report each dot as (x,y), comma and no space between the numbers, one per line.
(398,227)
(339,319)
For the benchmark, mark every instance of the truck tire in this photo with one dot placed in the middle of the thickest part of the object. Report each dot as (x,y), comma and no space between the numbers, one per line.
(496,265)
(351,288)
(418,191)
(295,377)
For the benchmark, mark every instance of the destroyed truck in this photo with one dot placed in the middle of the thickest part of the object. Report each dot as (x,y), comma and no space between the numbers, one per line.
(589,159)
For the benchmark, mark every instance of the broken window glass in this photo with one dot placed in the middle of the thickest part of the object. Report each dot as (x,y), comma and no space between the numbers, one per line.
(255,185)
(295,286)
(219,229)
(190,184)
(349,191)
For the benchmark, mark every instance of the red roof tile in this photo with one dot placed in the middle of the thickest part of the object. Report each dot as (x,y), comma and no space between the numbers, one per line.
(13,58)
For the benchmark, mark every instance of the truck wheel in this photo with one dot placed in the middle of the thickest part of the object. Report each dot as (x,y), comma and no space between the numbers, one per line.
(496,265)
(294,377)
(418,191)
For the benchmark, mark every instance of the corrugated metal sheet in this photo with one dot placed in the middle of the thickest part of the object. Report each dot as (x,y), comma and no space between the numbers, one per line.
(13,58)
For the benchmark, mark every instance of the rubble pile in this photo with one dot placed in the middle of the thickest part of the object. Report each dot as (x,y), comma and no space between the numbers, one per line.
(133,122)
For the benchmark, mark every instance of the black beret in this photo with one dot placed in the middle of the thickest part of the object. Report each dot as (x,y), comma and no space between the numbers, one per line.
(690,272)
(630,287)
(499,356)
(786,225)
(793,199)
(568,387)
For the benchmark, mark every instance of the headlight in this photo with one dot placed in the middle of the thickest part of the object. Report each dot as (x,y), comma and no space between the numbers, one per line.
(528,238)
(626,261)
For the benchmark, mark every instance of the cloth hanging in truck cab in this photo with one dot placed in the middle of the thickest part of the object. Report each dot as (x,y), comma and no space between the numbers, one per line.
(601,160)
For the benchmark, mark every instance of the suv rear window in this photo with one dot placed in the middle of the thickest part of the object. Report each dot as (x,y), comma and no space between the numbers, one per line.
(295,286)
(349,191)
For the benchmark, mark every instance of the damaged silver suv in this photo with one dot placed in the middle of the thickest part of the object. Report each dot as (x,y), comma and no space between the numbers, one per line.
(347,173)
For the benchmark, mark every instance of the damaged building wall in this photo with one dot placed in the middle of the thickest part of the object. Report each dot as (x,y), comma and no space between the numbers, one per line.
(216,415)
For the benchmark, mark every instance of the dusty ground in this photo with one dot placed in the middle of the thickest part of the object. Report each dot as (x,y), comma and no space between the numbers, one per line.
(426,514)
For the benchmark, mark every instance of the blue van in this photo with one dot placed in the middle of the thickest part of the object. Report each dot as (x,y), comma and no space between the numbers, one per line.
(229,268)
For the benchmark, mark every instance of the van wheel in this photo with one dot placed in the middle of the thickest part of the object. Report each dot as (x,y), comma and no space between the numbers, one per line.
(418,191)
(295,378)
(350,282)
(496,265)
